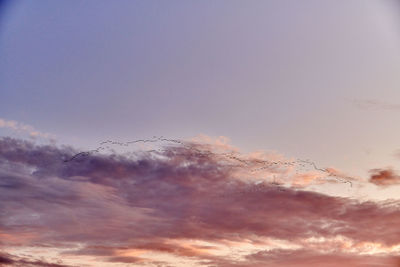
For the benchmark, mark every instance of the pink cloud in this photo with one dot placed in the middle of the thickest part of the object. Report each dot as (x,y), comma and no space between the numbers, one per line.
(305,258)
(154,201)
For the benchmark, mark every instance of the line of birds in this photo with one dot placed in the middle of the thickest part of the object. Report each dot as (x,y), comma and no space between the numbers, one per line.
(267,164)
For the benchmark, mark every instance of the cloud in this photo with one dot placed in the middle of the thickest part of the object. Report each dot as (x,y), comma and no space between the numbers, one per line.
(180,202)
(12,260)
(305,258)
(21,127)
(384,177)
(375,105)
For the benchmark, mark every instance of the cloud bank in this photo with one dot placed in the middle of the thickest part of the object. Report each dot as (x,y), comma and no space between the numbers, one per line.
(182,205)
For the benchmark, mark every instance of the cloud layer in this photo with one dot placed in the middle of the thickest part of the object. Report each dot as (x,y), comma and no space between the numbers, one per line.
(182,203)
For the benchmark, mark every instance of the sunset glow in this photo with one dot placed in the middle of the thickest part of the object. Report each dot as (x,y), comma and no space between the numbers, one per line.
(199,133)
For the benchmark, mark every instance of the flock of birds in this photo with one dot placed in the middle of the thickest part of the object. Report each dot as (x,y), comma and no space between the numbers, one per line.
(265,164)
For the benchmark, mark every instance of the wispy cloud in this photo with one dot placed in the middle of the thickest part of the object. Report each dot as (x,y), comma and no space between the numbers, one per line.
(375,105)
(21,127)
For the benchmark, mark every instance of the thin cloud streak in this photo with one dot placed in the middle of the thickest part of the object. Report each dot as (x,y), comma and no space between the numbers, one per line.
(376,105)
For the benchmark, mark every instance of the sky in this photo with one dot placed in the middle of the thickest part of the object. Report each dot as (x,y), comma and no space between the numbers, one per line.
(199,133)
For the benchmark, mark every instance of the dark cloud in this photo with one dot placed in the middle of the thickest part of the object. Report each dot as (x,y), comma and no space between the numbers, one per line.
(116,207)
(16,261)
(384,177)
(5,260)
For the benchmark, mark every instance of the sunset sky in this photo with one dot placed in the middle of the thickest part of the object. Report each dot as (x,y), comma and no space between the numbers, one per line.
(200,133)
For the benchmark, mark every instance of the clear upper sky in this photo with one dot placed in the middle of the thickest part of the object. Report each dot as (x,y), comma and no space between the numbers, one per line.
(274,75)
(267,74)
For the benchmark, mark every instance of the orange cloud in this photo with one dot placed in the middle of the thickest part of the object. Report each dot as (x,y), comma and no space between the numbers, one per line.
(384,177)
